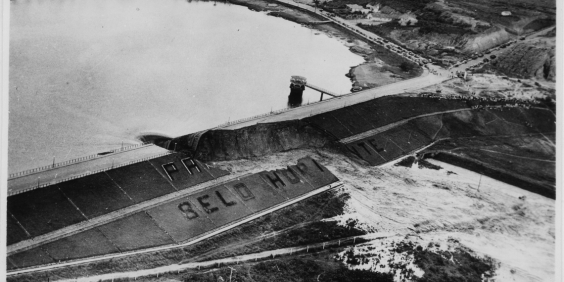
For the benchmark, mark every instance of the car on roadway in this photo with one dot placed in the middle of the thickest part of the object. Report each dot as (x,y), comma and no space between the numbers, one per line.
(493,57)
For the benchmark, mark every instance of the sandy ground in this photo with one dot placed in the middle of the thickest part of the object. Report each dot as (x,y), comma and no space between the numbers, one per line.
(372,75)
(491,221)
(483,214)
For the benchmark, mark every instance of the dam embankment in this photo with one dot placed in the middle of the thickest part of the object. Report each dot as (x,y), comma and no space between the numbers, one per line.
(496,173)
(382,130)
(253,141)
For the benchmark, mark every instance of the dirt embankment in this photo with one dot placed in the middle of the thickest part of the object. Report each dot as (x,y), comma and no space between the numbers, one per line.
(535,58)
(382,67)
(473,134)
(485,40)
(496,173)
(512,146)
(254,141)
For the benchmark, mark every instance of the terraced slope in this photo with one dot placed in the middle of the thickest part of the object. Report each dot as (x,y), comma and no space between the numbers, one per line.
(387,128)
(198,214)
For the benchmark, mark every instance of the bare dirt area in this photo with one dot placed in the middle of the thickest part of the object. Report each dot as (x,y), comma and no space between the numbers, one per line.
(382,67)
(489,217)
(494,86)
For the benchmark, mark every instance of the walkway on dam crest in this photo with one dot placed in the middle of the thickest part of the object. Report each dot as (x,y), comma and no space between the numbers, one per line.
(426,79)
(58,174)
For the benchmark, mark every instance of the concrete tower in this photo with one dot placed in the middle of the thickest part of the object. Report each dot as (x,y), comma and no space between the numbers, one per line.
(297,87)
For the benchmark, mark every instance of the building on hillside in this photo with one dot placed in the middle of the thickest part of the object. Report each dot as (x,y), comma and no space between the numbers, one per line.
(354,8)
(353,16)
(388,10)
(374,7)
(407,19)
(381,17)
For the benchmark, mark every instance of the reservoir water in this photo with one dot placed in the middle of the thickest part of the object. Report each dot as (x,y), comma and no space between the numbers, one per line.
(87,76)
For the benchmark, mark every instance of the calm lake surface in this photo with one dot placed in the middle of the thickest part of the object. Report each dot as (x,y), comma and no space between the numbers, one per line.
(89,75)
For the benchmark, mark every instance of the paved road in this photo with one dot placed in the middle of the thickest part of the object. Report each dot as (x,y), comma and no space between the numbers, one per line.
(496,51)
(58,174)
(364,33)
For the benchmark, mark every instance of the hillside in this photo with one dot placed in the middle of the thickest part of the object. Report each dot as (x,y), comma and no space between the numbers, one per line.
(534,58)
(449,31)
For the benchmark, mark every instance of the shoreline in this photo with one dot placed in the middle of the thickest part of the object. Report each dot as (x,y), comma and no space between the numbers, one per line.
(380,66)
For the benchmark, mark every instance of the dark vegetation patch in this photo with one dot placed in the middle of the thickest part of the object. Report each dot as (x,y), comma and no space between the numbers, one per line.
(407,162)
(293,269)
(396,64)
(438,265)
(501,171)
(527,156)
(428,21)
(295,18)
(441,186)
(425,164)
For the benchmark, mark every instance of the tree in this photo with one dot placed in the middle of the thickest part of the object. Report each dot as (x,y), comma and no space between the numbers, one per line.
(316,2)
(406,67)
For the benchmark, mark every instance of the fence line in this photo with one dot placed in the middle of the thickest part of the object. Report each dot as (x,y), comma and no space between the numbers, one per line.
(73,161)
(271,113)
(52,182)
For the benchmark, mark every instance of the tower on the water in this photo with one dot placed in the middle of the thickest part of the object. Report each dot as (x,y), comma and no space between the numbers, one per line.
(297,87)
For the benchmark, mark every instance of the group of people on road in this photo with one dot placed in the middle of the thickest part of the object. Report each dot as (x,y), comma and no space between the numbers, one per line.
(514,101)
